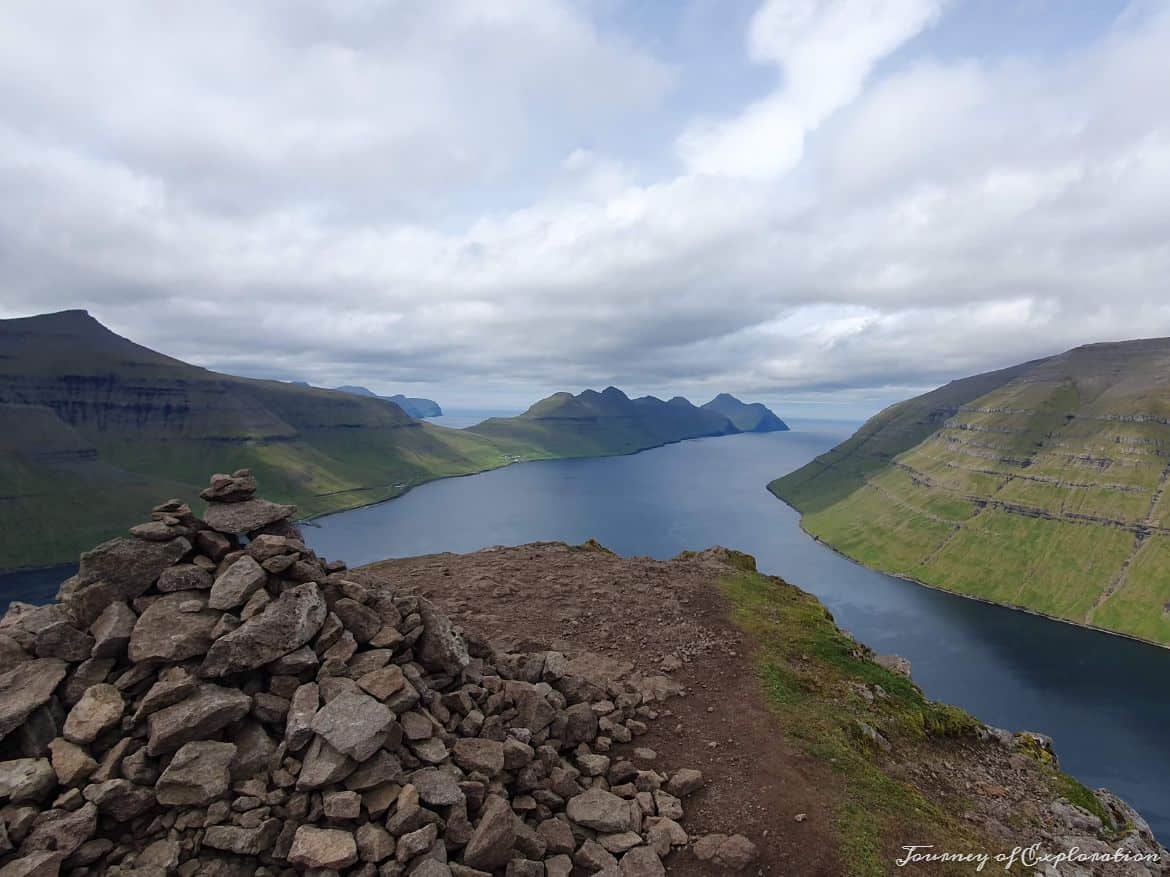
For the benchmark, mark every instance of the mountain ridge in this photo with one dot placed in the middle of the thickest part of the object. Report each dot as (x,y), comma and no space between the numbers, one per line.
(416,407)
(1041,486)
(98,425)
(747,416)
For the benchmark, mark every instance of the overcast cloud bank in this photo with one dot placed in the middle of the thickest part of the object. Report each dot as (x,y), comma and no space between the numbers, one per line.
(446,198)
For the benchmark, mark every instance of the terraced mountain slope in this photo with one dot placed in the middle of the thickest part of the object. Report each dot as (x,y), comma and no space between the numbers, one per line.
(1041,486)
(747,417)
(96,428)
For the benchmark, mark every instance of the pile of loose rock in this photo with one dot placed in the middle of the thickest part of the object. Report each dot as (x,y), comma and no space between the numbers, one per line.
(207,696)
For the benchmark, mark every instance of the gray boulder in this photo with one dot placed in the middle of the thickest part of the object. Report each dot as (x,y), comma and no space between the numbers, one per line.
(600,810)
(111,631)
(239,582)
(166,632)
(99,710)
(440,648)
(490,846)
(286,624)
(323,848)
(197,717)
(245,517)
(26,779)
(354,724)
(26,687)
(198,774)
(120,569)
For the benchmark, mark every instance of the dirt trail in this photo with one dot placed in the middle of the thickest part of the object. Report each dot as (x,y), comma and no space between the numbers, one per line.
(543,596)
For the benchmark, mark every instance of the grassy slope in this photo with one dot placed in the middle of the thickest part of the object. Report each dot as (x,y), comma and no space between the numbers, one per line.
(1040,487)
(97,428)
(805,662)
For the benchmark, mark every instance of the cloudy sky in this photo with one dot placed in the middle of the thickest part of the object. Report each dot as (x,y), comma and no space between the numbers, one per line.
(824,204)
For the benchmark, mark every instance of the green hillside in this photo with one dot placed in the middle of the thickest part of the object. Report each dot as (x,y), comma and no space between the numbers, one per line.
(96,428)
(594,424)
(747,417)
(1040,486)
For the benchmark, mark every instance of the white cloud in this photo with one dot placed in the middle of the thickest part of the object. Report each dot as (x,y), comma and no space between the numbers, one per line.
(328,192)
(825,51)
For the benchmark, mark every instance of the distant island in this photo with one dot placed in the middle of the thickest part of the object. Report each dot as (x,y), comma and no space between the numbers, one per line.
(415,407)
(1041,486)
(753,417)
(97,427)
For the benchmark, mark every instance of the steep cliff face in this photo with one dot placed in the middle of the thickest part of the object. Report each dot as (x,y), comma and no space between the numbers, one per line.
(414,406)
(1041,486)
(95,424)
(100,383)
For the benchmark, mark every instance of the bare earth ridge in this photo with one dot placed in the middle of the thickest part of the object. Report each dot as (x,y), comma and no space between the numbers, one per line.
(985,789)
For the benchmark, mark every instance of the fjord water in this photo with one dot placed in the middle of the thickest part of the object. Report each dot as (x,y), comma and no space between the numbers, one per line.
(1103,698)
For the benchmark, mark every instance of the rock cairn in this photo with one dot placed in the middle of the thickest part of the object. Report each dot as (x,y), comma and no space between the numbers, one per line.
(210,697)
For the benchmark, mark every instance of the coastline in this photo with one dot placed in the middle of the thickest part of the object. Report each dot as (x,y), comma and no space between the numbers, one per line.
(552,458)
(309,519)
(977,599)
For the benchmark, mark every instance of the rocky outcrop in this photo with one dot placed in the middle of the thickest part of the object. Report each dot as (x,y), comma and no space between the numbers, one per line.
(208,696)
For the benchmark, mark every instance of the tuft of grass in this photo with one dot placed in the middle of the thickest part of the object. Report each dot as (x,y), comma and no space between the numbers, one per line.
(811,674)
(1078,793)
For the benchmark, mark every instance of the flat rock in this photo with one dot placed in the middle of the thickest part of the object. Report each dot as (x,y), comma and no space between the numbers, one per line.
(61,639)
(99,709)
(684,781)
(242,841)
(111,631)
(383,682)
(600,810)
(440,648)
(198,774)
(237,583)
(374,843)
(237,487)
(26,687)
(381,767)
(183,577)
(437,787)
(323,766)
(62,831)
(474,753)
(26,779)
(354,724)
(39,864)
(490,846)
(362,621)
(158,531)
(323,848)
(733,853)
(642,862)
(120,569)
(72,764)
(286,624)
(245,517)
(197,717)
(120,799)
(169,631)
(298,729)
